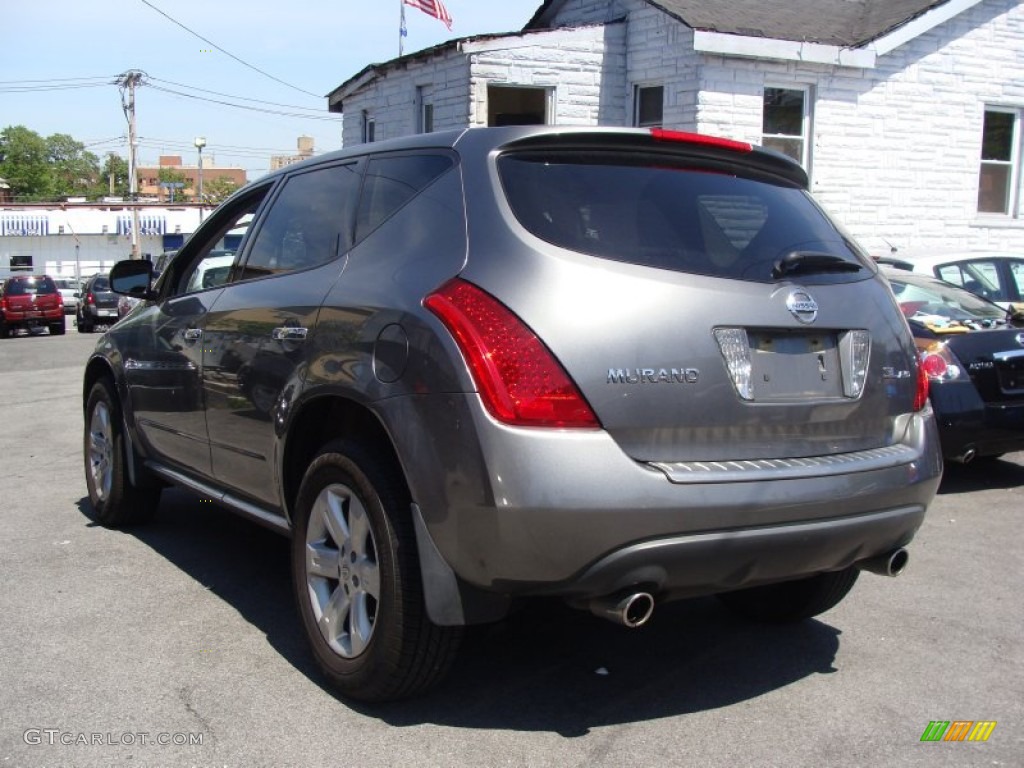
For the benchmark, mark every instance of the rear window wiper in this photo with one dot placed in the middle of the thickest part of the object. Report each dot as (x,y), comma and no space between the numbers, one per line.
(796,262)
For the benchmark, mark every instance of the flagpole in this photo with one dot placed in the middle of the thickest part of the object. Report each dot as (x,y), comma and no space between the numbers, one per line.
(401,25)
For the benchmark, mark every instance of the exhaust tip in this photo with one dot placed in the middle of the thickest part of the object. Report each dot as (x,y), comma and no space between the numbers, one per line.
(632,610)
(968,455)
(891,564)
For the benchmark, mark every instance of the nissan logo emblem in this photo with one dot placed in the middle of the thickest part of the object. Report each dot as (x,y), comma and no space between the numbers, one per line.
(803,306)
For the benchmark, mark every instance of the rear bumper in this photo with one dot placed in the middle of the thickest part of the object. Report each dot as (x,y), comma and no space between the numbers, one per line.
(522,512)
(968,423)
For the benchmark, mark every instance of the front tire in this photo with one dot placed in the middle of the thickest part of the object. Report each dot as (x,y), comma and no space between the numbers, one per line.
(357,579)
(792,600)
(114,499)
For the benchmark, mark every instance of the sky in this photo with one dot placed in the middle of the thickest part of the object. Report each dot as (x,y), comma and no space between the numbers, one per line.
(59,61)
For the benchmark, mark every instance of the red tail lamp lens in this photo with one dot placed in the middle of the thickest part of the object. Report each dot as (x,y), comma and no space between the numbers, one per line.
(520,381)
(921,394)
(660,134)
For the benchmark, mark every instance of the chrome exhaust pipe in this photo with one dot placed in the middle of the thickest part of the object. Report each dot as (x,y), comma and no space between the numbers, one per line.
(968,455)
(630,610)
(890,564)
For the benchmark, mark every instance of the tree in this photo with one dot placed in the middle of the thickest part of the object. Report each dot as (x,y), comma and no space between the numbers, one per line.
(215,190)
(113,177)
(173,176)
(74,170)
(24,157)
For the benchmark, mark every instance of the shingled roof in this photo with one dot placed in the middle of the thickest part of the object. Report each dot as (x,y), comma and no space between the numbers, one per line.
(844,23)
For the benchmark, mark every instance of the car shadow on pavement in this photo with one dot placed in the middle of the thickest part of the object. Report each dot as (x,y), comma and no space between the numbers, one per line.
(546,667)
(982,474)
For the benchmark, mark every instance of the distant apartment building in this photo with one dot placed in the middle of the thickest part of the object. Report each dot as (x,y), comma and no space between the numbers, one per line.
(181,182)
(305,147)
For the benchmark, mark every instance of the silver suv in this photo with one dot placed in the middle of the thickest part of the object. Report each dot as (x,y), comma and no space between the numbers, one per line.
(465,369)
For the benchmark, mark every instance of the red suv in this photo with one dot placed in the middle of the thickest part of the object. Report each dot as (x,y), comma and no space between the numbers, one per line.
(31,301)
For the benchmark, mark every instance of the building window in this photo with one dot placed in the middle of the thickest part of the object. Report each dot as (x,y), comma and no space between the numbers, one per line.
(785,123)
(369,128)
(648,105)
(21,263)
(427,118)
(997,178)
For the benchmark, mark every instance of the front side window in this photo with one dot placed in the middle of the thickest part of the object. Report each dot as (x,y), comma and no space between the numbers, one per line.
(207,263)
(784,122)
(979,277)
(308,223)
(999,162)
(648,106)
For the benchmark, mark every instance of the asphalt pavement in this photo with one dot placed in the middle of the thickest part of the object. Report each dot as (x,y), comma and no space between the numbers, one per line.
(177,644)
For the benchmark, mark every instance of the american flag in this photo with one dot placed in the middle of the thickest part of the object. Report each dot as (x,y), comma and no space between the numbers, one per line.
(433,8)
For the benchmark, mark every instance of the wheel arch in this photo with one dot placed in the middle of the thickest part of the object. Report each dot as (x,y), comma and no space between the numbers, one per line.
(320,421)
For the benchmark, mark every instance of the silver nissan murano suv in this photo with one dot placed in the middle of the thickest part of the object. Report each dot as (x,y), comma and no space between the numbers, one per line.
(464,369)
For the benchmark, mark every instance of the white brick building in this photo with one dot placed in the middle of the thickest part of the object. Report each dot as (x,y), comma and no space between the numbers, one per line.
(80,239)
(889,104)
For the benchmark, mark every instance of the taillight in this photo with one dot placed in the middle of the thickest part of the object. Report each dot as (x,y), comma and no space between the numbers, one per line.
(89,298)
(660,134)
(519,380)
(938,361)
(921,394)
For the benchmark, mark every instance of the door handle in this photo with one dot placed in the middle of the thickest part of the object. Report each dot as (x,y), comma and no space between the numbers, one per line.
(192,335)
(289,333)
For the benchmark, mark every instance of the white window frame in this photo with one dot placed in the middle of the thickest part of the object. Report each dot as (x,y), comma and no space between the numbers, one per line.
(369,128)
(637,88)
(1014,163)
(424,110)
(806,121)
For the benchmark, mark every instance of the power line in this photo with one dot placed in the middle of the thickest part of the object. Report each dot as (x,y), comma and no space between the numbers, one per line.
(228,53)
(321,117)
(233,96)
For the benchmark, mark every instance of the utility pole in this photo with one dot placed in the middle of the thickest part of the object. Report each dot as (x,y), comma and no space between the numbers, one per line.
(127,82)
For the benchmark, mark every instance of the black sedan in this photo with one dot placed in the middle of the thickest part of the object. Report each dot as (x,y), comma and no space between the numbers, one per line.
(973,353)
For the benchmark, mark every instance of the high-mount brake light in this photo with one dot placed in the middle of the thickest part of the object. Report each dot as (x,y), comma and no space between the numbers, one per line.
(682,137)
(518,378)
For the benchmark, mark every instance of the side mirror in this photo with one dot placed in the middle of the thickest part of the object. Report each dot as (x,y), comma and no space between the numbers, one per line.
(133,278)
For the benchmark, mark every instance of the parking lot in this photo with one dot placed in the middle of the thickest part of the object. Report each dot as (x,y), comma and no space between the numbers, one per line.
(177,644)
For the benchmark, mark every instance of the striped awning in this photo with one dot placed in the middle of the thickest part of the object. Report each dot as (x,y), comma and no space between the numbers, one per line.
(148,224)
(24,224)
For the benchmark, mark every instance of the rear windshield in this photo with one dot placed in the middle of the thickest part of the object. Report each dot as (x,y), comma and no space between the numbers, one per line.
(100,285)
(26,286)
(646,210)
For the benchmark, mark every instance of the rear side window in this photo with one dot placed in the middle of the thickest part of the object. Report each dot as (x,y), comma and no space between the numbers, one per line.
(39,286)
(646,210)
(393,181)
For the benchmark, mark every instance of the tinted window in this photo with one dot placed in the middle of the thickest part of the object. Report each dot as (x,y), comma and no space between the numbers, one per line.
(100,284)
(29,286)
(215,247)
(391,182)
(308,224)
(645,211)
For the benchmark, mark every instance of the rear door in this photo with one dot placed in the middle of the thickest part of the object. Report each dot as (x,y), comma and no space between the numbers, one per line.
(703,303)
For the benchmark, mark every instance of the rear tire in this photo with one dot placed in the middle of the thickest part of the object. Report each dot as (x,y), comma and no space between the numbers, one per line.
(792,600)
(356,574)
(5,330)
(57,329)
(114,499)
